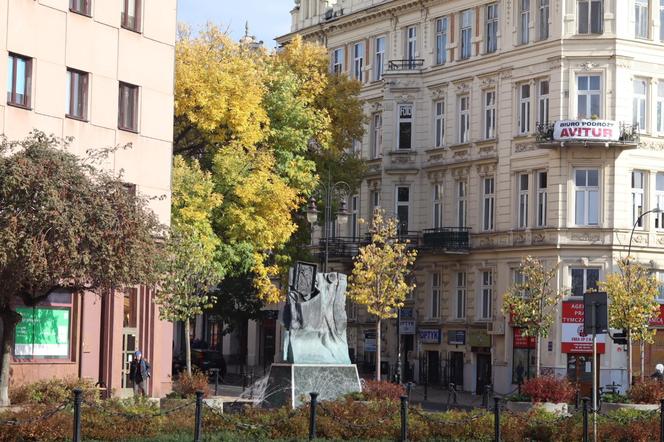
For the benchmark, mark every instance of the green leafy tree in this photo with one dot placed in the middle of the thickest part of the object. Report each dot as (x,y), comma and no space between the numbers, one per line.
(65,224)
(532,302)
(632,293)
(379,277)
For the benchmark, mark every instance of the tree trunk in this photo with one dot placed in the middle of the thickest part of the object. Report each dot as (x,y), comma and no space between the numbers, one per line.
(629,359)
(378,350)
(187,346)
(643,359)
(9,320)
(538,345)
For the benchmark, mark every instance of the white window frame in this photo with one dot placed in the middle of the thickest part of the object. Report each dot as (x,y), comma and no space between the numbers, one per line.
(405,118)
(660,288)
(640,104)
(589,94)
(442,32)
(411,43)
(379,57)
(525,98)
(659,200)
(490,114)
(436,289)
(437,206)
(460,296)
(461,193)
(338,56)
(358,61)
(488,203)
(406,204)
(641,19)
(523,187)
(466,34)
(638,179)
(590,26)
(439,123)
(491,37)
(543,90)
(660,104)
(485,301)
(354,216)
(661,20)
(377,135)
(543,20)
(542,197)
(524,21)
(375,201)
(464,119)
(586,191)
(585,278)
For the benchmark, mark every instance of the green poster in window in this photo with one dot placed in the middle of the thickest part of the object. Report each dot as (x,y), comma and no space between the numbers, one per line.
(42,333)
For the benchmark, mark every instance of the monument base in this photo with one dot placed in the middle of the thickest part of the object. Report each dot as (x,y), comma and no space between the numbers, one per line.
(290,384)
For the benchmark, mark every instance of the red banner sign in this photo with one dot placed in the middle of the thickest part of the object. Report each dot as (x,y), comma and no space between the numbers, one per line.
(521,341)
(659,320)
(574,340)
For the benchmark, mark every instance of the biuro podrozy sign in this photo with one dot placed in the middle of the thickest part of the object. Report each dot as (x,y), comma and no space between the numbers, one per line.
(586,130)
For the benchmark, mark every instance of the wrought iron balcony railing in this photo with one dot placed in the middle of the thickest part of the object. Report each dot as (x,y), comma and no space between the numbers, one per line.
(405,65)
(446,239)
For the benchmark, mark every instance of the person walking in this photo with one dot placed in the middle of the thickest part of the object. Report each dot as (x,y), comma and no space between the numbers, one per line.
(659,373)
(139,372)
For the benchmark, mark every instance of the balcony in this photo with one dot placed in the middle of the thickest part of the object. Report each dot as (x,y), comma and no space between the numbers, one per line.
(587,133)
(340,246)
(446,240)
(405,65)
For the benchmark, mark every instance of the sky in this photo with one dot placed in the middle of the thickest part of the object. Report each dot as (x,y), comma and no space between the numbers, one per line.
(267,18)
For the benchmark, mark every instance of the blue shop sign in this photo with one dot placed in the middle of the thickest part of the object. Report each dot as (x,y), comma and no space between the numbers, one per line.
(429,335)
(456,337)
(407,313)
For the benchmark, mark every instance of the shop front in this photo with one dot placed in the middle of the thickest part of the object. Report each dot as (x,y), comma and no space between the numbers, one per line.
(456,357)
(430,339)
(480,346)
(523,356)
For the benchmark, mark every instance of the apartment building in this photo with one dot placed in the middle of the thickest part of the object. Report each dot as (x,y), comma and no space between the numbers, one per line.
(101,72)
(501,129)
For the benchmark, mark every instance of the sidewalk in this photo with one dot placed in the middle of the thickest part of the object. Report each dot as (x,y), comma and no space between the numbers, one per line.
(439,399)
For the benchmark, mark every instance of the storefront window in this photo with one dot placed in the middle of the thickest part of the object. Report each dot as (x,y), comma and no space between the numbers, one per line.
(43,333)
(523,360)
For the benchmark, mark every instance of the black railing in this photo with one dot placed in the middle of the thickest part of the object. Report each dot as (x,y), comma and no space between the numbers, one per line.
(405,65)
(341,246)
(629,133)
(544,132)
(446,239)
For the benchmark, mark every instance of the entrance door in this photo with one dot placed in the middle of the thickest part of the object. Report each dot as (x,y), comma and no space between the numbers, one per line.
(456,369)
(433,364)
(129,339)
(483,372)
(407,370)
(579,372)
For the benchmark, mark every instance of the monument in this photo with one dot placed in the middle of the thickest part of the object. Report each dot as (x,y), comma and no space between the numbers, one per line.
(315,349)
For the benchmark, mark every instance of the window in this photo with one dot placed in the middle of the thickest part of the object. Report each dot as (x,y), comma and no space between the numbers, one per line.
(338,60)
(377,135)
(131,15)
(641,18)
(489,115)
(520,280)
(486,293)
(379,60)
(128,107)
(402,209)
(659,199)
(491,38)
(661,20)
(587,197)
(466,33)
(660,105)
(523,200)
(542,184)
(524,23)
(460,298)
(405,137)
(436,283)
(441,40)
(437,206)
(639,104)
(660,288)
(464,119)
(77,94)
(637,197)
(354,219)
(543,19)
(524,109)
(411,43)
(588,96)
(590,16)
(358,60)
(543,102)
(439,123)
(80,6)
(488,204)
(583,280)
(461,203)
(19,80)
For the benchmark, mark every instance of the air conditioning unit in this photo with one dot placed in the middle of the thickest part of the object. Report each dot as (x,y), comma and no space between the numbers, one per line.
(496,327)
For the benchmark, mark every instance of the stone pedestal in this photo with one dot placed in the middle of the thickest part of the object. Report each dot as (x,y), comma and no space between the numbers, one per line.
(290,384)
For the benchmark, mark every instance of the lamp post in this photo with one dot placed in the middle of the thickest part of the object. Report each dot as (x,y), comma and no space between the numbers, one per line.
(636,223)
(329,191)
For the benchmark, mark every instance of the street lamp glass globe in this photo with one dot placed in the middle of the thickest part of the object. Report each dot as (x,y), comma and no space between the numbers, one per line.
(312,212)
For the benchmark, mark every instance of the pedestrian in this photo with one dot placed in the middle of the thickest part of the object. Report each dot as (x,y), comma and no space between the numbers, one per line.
(139,372)
(659,373)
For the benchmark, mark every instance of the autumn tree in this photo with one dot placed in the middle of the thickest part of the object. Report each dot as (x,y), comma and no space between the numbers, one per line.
(379,277)
(65,224)
(632,294)
(531,302)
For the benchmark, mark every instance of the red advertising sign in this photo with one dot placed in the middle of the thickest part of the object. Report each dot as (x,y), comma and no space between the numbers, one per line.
(574,340)
(521,341)
(659,320)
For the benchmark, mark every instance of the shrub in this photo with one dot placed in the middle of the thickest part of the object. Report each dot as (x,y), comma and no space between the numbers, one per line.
(548,389)
(52,391)
(187,385)
(381,390)
(649,391)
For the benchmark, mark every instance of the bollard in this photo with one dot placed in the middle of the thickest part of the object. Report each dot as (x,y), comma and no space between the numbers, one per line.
(485,397)
(78,400)
(426,386)
(409,388)
(454,394)
(312,416)
(496,418)
(661,420)
(404,418)
(216,381)
(198,424)
(585,419)
(577,401)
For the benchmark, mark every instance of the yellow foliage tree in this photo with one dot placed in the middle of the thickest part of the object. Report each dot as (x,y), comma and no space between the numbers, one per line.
(632,294)
(378,280)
